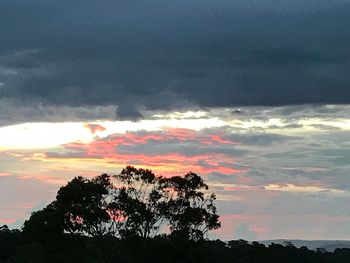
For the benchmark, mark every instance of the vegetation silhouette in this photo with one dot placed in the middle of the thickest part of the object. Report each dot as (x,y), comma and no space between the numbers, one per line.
(137,203)
(137,216)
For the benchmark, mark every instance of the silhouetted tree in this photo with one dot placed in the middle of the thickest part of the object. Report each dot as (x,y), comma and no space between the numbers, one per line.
(140,202)
(45,222)
(4,229)
(191,210)
(80,207)
(83,204)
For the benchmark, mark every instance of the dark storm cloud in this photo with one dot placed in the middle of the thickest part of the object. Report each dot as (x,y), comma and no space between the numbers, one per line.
(170,54)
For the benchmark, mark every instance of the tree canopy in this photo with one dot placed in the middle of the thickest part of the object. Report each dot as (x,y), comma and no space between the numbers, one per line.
(135,202)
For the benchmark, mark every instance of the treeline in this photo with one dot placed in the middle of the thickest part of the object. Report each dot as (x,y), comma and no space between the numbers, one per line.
(15,248)
(137,216)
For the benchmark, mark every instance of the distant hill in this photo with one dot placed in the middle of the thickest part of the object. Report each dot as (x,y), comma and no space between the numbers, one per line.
(328,245)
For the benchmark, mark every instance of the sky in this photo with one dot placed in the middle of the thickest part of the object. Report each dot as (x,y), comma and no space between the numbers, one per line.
(251,95)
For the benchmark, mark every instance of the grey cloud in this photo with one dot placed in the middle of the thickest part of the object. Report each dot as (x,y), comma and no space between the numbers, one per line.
(14,112)
(290,113)
(325,127)
(319,158)
(223,178)
(164,55)
(189,148)
(260,139)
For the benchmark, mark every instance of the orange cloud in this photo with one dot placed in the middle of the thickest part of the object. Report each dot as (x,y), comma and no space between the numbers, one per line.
(172,162)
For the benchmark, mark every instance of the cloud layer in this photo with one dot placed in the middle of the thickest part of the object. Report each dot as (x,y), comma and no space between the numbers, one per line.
(137,55)
(277,172)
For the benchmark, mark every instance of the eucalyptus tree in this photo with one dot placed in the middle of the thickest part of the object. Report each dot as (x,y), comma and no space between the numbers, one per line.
(83,204)
(191,209)
(80,207)
(141,202)
(135,202)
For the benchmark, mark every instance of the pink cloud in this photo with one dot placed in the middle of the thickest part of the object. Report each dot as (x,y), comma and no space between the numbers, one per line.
(5,174)
(172,162)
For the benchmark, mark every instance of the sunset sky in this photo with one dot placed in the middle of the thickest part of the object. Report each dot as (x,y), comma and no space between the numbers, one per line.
(254,96)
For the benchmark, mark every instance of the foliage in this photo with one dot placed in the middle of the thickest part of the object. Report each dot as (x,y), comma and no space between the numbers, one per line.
(83,205)
(137,203)
(141,202)
(80,207)
(44,223)
(4,229)
(10,241)
(72,248)
(191,212)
